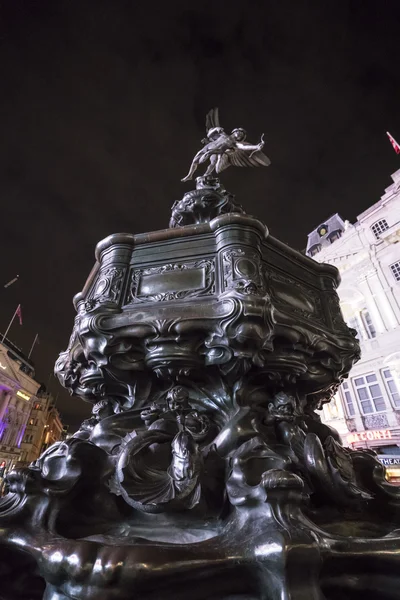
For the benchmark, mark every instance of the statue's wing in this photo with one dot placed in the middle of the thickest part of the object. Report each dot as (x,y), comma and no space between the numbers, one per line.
(242,158)
(212,119)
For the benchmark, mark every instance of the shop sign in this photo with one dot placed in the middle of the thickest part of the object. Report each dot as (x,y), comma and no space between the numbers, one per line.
(389,461)
(369,436)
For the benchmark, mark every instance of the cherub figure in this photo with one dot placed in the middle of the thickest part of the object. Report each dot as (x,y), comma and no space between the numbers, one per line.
(224,150)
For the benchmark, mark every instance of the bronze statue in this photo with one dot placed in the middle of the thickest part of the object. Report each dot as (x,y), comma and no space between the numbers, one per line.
(224,150)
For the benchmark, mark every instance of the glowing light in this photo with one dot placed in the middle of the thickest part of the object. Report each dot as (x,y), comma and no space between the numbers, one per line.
(73,559)
(22,395)
(21,436)
(267,549)
(2,366)
(56,556)
(393,472)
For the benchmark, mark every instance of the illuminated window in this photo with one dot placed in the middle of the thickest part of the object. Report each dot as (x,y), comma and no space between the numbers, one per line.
(395,267)
(392,385)
(348,399)
(368,324)
(369,394)
(379,227)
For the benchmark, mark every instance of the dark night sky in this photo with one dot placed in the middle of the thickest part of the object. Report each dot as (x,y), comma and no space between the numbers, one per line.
(102,107)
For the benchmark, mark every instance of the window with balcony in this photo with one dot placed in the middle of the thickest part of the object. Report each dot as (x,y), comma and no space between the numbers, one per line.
(395,268)
(369,394)
(393,386)
(379,227)
(348,398)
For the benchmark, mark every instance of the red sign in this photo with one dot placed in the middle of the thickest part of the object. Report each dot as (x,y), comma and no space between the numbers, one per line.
(369,436)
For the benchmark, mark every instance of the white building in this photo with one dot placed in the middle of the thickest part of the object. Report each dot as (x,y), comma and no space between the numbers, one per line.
(366,410)
(18,390)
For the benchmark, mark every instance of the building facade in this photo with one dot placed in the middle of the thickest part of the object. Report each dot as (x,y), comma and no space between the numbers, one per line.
(366,410)
(29,421)
(18,390)
(33,440)
(54,429)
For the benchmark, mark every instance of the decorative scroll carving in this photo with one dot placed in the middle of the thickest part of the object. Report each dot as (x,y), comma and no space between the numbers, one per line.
(209,200)
(243,272)
(335,312)
(204,269)
(108,286)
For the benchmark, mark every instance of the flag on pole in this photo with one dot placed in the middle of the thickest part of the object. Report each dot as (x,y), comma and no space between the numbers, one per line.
(18,313)
(394,143)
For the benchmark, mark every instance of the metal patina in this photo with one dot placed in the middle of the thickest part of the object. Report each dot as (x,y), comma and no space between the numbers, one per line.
(204,471)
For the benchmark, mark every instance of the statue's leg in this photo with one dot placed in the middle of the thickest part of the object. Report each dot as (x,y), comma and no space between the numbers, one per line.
(200,157)
(212,165)
(192,170)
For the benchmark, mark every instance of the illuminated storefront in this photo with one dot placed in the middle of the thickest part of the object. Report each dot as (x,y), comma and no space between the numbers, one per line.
(392,467)
(368,436)
(385,443)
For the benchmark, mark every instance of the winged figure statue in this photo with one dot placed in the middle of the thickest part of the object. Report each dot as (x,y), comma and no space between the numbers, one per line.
(223,150)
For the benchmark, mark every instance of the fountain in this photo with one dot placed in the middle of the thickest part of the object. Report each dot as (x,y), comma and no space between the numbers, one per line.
(204,470)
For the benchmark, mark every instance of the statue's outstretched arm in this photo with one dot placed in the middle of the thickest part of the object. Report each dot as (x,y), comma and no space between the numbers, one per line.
(248,147)
(251,147)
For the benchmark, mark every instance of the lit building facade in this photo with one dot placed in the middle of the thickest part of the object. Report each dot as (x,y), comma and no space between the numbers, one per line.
(18,390)
(54,429)
(33,440)
(366,410)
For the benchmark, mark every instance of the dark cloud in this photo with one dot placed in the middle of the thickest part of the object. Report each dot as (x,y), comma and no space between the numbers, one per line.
(102,107)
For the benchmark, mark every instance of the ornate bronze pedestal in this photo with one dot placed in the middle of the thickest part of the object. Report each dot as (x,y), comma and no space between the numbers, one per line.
(204,471)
